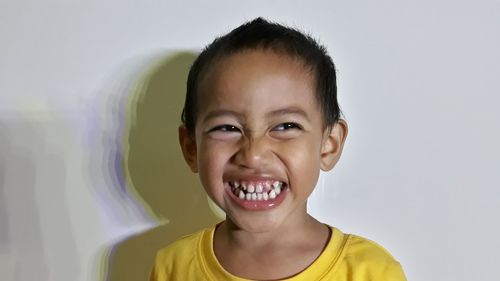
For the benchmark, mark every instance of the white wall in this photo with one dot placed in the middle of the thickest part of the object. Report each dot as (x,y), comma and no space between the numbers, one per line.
(418,84)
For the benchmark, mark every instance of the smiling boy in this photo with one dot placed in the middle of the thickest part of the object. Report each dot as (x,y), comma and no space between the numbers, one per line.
(261,119)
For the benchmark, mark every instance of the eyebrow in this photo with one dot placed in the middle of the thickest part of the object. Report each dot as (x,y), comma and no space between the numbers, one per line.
(289,110)
(278,112)
(222,112)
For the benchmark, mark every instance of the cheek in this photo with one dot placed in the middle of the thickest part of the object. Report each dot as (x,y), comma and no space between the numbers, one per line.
(301,152)
(303,162)
(212,159)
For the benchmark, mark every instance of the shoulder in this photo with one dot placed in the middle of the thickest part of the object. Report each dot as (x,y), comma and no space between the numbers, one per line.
(183,249)
(362,249)
(370,261)
(175,259)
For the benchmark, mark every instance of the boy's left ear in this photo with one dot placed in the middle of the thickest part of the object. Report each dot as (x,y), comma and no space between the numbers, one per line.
(333,143)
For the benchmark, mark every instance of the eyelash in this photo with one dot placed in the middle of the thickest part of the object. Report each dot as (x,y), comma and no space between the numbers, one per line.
(280,128)
(288,126)
(225,128)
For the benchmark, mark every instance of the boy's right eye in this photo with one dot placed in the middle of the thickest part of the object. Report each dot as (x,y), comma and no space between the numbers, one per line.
(224,128)
(224,132)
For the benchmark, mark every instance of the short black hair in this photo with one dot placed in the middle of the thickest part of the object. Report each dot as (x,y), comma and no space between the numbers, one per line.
(262,34)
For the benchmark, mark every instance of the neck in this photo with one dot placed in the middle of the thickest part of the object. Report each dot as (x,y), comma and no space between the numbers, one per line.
(274,254)
(286,233)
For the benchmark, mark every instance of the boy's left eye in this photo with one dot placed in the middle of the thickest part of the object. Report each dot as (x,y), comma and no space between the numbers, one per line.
(287,126)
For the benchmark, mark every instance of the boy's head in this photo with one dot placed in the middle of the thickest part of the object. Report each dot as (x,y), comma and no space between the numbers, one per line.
(261,120)
(263,35)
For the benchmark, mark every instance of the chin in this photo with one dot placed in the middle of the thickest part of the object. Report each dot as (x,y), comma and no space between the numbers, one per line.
(255,223)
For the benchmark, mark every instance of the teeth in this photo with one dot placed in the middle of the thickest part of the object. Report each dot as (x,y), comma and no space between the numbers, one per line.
(265,196)
(256,191)
(267,185)
(277,190)
(272,194)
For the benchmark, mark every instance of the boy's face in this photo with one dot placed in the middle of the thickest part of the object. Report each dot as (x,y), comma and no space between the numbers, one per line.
(259,141)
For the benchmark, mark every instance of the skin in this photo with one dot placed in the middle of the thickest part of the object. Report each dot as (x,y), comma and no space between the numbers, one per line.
(258,118)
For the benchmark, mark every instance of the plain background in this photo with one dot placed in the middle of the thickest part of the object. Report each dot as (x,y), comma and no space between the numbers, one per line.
(418,85)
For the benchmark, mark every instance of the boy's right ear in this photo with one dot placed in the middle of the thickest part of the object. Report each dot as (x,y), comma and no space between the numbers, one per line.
(188,146)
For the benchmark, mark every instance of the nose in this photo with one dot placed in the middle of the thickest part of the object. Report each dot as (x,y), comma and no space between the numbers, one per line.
(253,153)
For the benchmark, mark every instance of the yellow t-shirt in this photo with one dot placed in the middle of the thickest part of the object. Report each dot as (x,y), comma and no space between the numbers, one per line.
(346,258)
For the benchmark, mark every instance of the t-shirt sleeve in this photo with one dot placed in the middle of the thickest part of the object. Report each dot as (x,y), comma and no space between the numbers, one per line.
(390,270)
(175,261)
(158,272)
(395,273)
(369,261)
(153,276)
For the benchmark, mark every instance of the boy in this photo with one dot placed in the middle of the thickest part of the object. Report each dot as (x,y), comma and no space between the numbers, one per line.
(260,120)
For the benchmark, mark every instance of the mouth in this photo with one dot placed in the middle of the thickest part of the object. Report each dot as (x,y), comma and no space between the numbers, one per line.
(257,194)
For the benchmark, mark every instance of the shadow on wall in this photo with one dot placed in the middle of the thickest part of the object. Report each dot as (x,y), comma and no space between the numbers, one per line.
(156,171)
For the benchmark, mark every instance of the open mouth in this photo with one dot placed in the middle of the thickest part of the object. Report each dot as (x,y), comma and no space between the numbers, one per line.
(266,190)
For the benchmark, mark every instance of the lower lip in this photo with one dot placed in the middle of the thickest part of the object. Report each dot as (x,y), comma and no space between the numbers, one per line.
(251,205)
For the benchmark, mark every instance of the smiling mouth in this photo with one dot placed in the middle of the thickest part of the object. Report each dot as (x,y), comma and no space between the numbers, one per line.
(257,191)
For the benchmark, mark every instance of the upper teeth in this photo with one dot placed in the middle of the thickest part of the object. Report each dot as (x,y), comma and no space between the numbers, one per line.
(256,191)
(258,188)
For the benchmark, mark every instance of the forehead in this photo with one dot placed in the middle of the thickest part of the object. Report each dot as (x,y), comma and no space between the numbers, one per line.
(255,60)
(258,79)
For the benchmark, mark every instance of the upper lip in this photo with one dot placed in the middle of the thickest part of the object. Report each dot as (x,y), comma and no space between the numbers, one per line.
(255,178)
